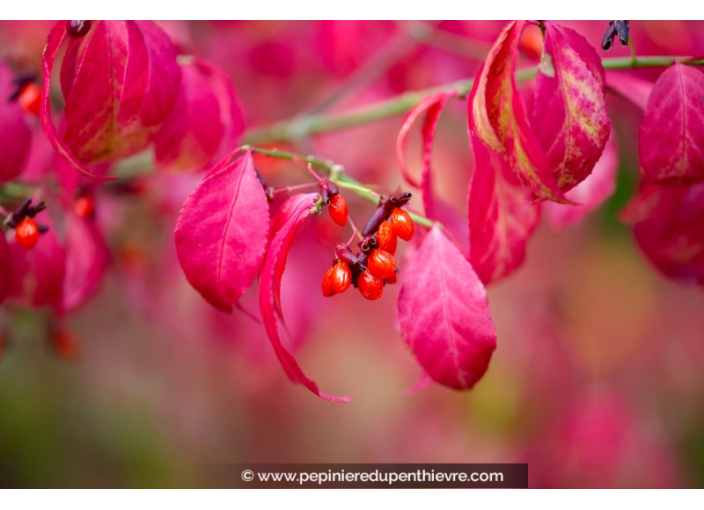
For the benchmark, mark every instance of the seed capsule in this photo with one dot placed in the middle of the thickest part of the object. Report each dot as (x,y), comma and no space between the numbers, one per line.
(27,233)
(387,238)
(328,289)
(338,209)
(30,98)
(381,264)
(77,27)
(84,206)
(402,224)
(392,280)
(341,277)
(370,286)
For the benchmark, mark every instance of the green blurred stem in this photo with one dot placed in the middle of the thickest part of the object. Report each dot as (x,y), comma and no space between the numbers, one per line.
(336,173)
(308,125)
(13,190)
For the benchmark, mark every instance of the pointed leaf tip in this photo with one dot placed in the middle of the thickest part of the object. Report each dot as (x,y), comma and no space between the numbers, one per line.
(284,227)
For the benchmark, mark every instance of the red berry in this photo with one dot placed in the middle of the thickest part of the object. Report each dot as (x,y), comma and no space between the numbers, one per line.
(341,277)
(31,98)
(402,224)
(338,209)
(77,27)
(84,206)
(370,286)
(328,288)
(27,233)
(392,280)
(381,264)
(387,238)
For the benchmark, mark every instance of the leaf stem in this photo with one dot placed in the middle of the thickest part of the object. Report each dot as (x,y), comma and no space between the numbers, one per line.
(308,125)
(336,173)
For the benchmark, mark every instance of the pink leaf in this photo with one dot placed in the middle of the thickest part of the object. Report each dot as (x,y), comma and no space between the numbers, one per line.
(671,137)
(668,224)
(222,232)
(497,116)
(444,316)
(87,259)
(120,81)
(205,120)
(431,106)
(590,193)
(285,224)
(15,136)
(501,216)
(570,118)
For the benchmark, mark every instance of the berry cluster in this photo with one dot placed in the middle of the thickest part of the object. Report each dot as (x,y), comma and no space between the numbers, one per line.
(22,220)
(374,265)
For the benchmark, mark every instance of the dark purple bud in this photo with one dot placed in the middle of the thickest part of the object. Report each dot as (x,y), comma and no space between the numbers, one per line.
(344,253)
(36,209)
(379,216)
(368,243)
(43,229)
(77,28)
(325,194)
(622,27)
(404,199)
(332,187)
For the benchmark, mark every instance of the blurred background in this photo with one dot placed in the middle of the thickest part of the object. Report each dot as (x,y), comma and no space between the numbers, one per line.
(597,380)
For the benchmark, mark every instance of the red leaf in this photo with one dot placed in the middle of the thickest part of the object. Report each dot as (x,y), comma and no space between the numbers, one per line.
(501,216)
(590,193)
(629,87)
(87,259)
(497,116)
(120,81)
(668,223)
(15,137)
(431,106)
(444,316)
(671,137)
(570,119)
(222,232)
(284,226)
(205,121)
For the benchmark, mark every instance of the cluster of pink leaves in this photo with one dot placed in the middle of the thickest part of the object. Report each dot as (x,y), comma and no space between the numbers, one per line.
(125,89)
(545,147)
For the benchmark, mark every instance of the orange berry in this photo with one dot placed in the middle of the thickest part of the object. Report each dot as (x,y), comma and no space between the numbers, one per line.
(370,286)
(341,277)
(84,206)
(402,224)
(328,288)
(31,98)
(338,209)
(387,238)
(381,264)
(27,233)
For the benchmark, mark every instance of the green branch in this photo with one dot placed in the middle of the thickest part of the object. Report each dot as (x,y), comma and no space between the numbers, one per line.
(336,173)
(305,126)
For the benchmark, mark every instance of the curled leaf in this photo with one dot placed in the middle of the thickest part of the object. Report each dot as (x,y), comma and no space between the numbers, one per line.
(222,232)
(569,118)
(444,316)
(671,136)
(205,120)
(284,226)
(120,81)
(501,216)
(497,116)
